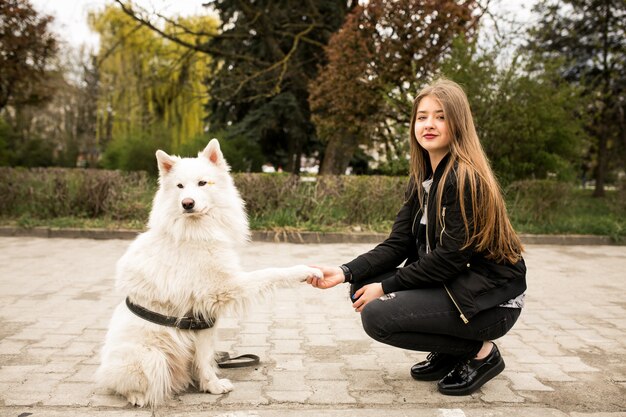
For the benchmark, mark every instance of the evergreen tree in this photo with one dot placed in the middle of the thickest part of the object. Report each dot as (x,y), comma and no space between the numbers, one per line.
(261,88)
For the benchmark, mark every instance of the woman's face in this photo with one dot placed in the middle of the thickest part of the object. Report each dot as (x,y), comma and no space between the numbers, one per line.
(431,129)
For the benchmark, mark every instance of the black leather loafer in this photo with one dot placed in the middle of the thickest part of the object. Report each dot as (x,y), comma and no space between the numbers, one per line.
(436,366)
(472,374)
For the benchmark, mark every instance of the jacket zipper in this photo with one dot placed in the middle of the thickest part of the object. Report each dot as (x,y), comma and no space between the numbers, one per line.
(465,320)
(426,214)
(443,221)
(443,217)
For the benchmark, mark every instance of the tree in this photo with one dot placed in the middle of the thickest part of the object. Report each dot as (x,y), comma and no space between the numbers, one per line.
(150,88)
(263,91)
(376,63)
(27,47)
(265,54)
(589,36)
(529,120)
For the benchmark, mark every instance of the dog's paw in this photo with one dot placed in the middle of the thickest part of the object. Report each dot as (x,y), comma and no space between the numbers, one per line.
(302,272)
(138,399)
(217,386)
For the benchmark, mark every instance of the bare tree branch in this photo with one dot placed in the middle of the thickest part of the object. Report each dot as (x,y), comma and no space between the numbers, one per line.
(199,47)
(112,49)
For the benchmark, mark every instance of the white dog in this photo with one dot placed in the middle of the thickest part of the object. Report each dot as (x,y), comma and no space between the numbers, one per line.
(184,271)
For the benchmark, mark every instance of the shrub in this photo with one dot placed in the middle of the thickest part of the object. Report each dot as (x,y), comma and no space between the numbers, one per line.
(275,200)
(538,201)
(135,152)
(44,196)
(55,192)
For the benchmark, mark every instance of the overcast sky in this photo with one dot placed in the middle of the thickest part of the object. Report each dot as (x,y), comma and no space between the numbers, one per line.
(71,15)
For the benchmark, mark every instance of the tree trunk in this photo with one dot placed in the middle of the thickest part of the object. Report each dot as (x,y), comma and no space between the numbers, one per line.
(601,168)
(606,82)
(337,156)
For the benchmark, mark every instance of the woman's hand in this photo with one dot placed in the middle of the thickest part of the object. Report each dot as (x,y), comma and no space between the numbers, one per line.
(333,275)
(366,294)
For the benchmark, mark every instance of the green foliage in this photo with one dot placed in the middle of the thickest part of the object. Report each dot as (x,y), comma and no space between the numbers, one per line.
(148,83)
(268,53)
(380,56)
(27,48)
(322,203)
(555,207)
(529,121)
(135,152)
(537,201)
(110,199)
(6,141)
(242,154)
(588,37)
(40,193)
(26,152)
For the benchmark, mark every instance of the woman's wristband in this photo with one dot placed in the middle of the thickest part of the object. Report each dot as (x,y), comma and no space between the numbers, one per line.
(347,274)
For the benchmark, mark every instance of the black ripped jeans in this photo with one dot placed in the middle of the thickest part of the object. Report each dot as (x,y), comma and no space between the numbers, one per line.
(427,320)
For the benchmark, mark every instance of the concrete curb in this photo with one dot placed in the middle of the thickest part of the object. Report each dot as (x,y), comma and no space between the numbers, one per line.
(290,236)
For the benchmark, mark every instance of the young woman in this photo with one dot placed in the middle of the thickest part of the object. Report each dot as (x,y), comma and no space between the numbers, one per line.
(463,279)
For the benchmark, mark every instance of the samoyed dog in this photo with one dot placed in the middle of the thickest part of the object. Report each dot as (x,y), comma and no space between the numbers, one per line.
(180,277)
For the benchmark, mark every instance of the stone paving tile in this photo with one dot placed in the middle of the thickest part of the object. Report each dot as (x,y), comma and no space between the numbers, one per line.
(526,381)
(550,372)
(500,393)
(289,396)
(331,392)
(320,340)
(288,381)
(245,392)
(325,371)
(374,397)
(315,356)
(573,364)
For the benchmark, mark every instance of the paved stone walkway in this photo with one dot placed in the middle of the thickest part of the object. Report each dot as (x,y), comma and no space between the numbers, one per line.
(566,356)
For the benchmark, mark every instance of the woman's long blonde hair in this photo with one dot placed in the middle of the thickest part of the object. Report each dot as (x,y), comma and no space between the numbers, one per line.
(489,230)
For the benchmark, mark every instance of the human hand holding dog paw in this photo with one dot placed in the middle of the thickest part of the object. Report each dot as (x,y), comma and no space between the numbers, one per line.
(305,273)
(331,276)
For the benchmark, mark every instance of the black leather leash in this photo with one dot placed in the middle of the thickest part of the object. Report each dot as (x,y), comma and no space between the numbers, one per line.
(224,360)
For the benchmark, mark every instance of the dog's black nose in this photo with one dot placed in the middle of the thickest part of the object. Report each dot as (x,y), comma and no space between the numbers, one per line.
(188,203)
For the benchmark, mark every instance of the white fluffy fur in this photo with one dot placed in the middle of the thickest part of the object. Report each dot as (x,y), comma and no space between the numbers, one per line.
(185,262)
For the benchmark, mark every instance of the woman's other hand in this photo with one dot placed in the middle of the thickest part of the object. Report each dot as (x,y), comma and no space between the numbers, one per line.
(333,275)
(366,294)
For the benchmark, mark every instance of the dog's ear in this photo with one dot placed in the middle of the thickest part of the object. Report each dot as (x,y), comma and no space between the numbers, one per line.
(165,162)
(213,153)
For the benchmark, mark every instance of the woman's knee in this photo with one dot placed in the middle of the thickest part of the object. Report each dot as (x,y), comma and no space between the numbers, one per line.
(374,321)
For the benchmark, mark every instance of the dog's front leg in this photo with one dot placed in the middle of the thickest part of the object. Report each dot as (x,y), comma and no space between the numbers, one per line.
(266,280)
(205,365)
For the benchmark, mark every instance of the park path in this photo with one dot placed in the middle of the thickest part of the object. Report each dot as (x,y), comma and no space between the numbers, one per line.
(566,356)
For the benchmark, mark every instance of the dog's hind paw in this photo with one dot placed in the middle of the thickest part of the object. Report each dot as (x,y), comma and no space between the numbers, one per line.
(217,386)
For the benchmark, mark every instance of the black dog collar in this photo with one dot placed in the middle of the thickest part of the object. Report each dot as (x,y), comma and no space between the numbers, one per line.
(184,323)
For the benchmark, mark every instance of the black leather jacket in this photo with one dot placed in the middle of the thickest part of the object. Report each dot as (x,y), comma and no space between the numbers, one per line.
(473,282)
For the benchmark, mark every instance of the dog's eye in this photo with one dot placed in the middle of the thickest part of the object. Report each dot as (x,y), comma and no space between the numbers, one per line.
(201,183)
(180,186)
